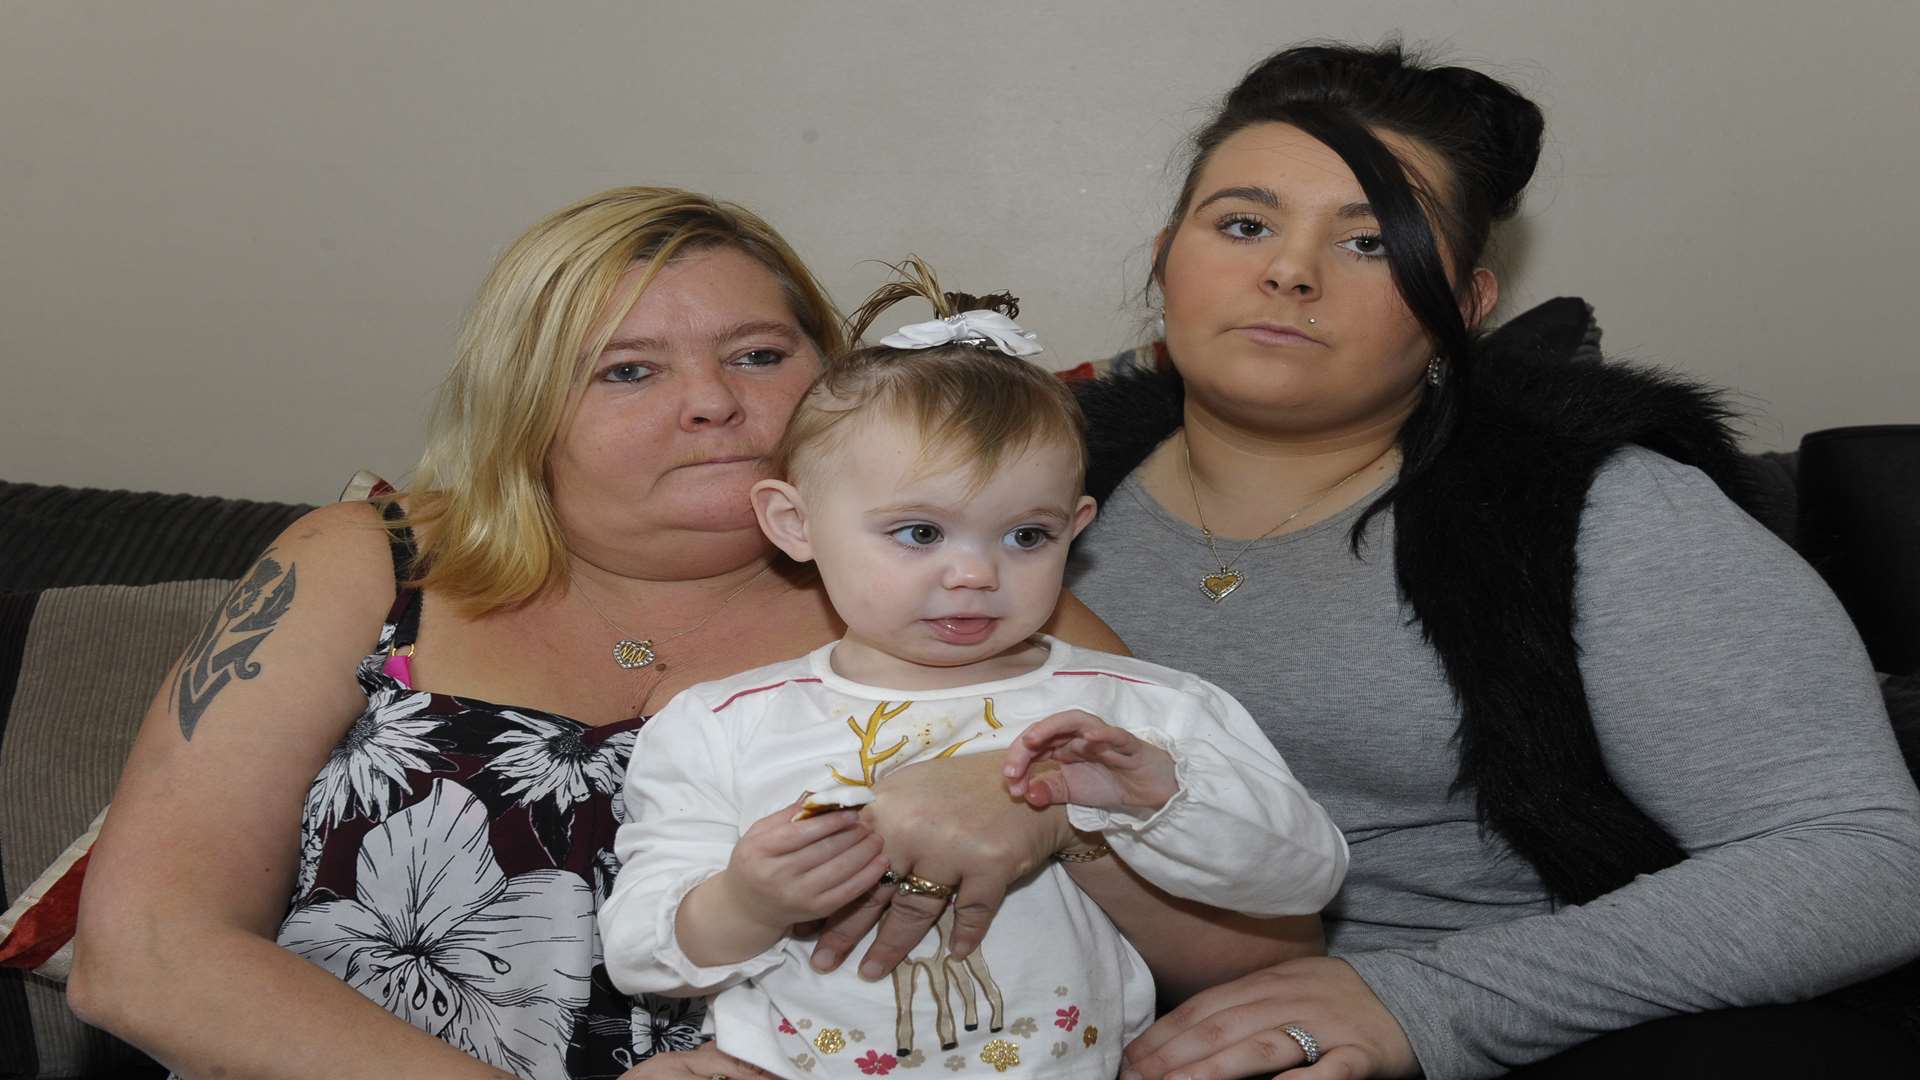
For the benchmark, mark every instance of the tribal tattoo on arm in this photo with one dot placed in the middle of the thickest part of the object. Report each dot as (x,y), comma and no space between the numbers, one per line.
(223,650)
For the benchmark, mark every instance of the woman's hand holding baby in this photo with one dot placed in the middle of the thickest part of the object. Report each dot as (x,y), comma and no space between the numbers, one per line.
(937,826)
(783,871)
(1094,764)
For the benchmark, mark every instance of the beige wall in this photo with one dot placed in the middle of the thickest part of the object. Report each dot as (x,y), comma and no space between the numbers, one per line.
(235,239)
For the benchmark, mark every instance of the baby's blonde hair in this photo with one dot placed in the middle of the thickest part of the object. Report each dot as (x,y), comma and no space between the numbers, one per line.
(970,403)
(549,305)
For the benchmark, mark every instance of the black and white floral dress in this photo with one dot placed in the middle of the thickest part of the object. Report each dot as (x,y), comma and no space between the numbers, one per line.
(453,853)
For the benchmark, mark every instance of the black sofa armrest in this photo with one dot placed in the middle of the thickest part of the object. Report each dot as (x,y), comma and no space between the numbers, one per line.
(51,537)
(1860,527)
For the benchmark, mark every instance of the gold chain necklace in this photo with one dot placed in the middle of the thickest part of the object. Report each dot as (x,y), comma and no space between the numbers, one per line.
(1222,582)
(632,653)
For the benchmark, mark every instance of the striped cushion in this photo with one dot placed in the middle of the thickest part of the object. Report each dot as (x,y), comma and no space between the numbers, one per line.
(107,589)
(59,536)
(92,653)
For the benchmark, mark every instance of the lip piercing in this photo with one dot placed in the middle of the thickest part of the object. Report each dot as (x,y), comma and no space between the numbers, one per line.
(1311,321)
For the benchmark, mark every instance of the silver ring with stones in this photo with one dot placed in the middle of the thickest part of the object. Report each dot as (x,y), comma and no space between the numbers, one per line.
(1309,1045)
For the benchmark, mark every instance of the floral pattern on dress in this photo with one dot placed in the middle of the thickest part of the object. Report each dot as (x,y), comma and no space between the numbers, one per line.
(508,879)
(664,1025)
(552,764)
(367,772)
(441,938)
(549,759)
(606,865)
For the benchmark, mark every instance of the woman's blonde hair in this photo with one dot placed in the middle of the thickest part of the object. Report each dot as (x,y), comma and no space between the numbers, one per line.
(971,403)
(492,538)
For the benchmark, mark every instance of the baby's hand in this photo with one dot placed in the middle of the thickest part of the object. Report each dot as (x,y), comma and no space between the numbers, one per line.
(789,871)
(1098,765)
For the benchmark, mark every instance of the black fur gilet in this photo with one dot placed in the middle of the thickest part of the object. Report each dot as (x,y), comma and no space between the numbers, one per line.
(1484,547)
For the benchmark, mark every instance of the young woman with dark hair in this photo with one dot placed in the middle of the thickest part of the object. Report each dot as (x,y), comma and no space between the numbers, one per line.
(1577,713)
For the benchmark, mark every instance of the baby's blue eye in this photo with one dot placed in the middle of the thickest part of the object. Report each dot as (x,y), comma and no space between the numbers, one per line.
(921,535)
(1027,537)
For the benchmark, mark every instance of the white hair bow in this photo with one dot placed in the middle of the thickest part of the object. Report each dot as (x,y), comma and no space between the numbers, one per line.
(969,327)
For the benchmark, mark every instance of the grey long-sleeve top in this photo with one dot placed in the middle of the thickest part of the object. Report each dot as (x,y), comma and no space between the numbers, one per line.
(1732,700)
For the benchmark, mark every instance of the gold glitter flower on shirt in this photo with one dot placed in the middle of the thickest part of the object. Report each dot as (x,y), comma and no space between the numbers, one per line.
(829,1041)
(1000,1054)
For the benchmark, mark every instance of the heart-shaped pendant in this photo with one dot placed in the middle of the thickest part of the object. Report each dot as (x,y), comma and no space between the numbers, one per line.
(1218,586)
(631,654)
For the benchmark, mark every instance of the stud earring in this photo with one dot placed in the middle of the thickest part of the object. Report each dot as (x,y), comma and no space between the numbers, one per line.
(1436,371)
(1160,324)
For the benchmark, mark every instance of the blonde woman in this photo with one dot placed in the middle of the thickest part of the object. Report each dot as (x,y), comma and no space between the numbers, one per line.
(367,823)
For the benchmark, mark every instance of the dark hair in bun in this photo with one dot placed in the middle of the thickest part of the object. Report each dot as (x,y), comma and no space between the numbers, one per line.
(1487,134)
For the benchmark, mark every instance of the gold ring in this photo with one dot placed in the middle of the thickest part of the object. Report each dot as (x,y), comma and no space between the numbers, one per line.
(919,886)
(887,877)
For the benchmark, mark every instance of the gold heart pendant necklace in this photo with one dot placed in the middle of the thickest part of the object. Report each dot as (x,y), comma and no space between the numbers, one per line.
(1224,581)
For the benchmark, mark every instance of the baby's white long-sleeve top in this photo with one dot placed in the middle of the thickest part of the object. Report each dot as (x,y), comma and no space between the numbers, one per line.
(1054,987)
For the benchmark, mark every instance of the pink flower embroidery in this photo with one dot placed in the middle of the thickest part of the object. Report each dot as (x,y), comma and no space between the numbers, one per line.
(1068,1018)
(786,1027)
(876,1063)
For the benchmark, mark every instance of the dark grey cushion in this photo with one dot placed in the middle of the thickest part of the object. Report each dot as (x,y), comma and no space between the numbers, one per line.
(80,665)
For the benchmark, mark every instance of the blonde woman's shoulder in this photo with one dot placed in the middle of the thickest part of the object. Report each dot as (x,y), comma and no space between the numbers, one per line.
(340,559)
